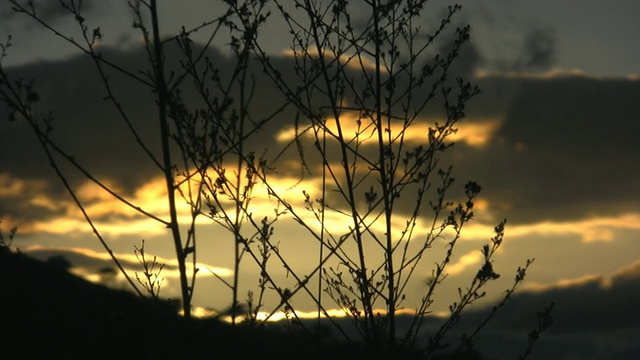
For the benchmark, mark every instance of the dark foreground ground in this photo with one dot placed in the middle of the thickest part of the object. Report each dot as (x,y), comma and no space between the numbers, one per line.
(46,312)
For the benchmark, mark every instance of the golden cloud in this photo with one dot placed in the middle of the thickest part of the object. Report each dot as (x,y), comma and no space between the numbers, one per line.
(627,272)
(130,262)
(353,61)
(475,132)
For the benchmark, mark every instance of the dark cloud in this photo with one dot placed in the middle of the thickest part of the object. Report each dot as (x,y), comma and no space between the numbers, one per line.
(565,149)
(533,50)
(469,59)
(48,11)
(539,50)
(88,126)
(594,318)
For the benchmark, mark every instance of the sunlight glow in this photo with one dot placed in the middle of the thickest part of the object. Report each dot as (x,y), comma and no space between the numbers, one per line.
(129,261)
(561,284)
(27,191)
(627,272)
(112,218)
(44,202)
(116,219)
(475,133)
(547,75)
(89,191)
(76,226)
(550,75)
(10,186)
(352,61)
(590,230)
(281,315)
(467,260)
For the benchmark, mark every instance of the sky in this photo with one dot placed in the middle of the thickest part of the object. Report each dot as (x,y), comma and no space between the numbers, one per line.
(552,139)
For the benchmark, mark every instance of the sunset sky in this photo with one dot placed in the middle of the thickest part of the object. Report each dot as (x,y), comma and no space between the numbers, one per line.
(552,138)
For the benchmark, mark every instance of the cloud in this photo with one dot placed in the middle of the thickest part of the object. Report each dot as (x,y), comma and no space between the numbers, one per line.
(593,318)
(88,263)
(564,150)
(539,50)
(518,48)
(48,11)
(469,58)
(554,148)
(602,311)
(591,304)
(471,259)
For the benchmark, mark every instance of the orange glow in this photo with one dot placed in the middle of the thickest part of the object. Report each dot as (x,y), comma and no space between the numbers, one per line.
(476,134)
(42,201)
(550,74)
(89,191)
(352,61)
(473,133)
(29,190)
(170,271)
(561,284)
(281,315)
(10,186)
(114,218)
(630,271)
(467,260)
(590,230)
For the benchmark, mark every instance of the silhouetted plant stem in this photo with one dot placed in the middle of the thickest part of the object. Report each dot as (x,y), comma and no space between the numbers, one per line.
(361,273)
(467,341)
(385,179)
(321,243)
(161,88)
(544,321)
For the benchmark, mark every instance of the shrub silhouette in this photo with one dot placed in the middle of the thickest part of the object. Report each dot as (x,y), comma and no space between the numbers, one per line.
(355,94)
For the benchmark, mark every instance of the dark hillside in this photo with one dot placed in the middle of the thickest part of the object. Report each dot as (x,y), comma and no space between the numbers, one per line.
(46,312)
